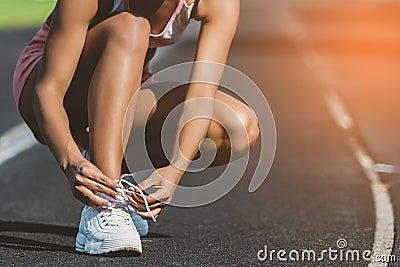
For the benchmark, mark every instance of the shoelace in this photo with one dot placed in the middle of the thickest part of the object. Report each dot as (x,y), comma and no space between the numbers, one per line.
(134,187)
(116,216)
(86,155)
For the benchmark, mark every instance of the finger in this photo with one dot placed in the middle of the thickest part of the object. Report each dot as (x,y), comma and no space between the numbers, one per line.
(92,205)
(96,175)
(156,200)
(157,205)
(136,204)
(78,195)
(91,198)
(91,172)
(158,196)
(137,197)
(96,187)
(145,215)
(140,198)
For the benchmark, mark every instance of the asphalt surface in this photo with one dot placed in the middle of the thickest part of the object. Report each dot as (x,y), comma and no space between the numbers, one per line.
(315,193)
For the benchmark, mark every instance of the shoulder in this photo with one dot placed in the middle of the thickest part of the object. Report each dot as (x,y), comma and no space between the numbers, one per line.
(78,9)
(206,9)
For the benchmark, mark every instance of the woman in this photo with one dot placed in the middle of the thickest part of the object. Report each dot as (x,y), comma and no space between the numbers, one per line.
(73,84)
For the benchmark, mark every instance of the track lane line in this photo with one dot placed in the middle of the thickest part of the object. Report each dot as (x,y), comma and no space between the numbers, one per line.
(384,214)
(14,141)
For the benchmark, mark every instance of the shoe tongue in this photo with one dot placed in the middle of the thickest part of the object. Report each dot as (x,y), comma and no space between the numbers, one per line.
(117,217)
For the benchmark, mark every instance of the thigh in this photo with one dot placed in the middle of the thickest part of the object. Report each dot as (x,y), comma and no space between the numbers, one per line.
(98,41)
(75,101)
(76,96)
(25,104)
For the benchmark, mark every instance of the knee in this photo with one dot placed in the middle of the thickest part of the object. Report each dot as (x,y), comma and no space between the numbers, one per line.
(253,131)
(129,32)
(248,121)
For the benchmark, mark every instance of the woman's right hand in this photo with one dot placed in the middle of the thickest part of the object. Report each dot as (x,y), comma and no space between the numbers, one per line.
(86,180)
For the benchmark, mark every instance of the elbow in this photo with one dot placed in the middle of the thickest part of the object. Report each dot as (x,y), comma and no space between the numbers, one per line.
(44,96)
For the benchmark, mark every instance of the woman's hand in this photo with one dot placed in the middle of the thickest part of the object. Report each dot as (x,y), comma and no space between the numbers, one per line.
(164,180)
(86,180)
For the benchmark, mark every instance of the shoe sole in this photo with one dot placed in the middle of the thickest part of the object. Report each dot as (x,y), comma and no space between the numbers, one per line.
(128,250)
(119,252)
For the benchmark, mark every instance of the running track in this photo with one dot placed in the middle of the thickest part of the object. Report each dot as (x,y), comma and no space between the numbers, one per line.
(318,190)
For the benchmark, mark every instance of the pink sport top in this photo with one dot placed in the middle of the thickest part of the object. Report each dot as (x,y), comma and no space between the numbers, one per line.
(175,27)
(172,32)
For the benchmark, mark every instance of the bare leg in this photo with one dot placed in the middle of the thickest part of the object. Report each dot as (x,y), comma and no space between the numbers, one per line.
(116,78)
(108,74)
(244,121)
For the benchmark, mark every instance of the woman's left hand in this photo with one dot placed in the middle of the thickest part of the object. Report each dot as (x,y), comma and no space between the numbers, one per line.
(164,180)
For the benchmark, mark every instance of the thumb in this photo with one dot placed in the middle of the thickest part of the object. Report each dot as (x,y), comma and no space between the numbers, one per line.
(158,196)
(147,183)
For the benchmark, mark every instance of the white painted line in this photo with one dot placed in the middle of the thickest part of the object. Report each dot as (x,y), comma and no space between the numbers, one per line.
(385,168)
(14,141)
(384,215)
(339,113)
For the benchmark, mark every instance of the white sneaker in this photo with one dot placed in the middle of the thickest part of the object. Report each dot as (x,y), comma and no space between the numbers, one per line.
(141,224)
(107,230)
(110,229)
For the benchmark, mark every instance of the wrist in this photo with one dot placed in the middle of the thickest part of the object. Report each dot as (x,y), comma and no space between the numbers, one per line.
(180,164)
(178,172)
(70,158)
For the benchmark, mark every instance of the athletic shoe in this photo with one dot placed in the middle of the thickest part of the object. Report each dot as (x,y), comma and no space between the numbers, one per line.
(107,230)
(111,228)
(142,226)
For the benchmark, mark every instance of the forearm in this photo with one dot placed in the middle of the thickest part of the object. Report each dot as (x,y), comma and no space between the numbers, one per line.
(193,124)
(54,126)
(60,58)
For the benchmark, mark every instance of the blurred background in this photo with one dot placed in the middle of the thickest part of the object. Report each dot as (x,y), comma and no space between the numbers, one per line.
(330,72)
(23,13)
